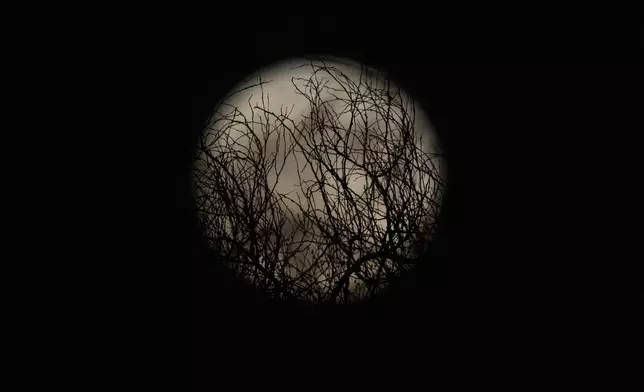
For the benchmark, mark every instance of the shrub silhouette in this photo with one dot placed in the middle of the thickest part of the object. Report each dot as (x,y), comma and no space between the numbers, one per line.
(363,198)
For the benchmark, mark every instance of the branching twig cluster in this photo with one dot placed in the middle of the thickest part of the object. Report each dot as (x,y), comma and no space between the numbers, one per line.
(364,198)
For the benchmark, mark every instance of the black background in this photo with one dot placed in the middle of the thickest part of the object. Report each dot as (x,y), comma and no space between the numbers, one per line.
(518,107)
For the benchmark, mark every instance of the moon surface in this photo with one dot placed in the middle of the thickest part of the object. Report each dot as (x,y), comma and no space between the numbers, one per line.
(279,102)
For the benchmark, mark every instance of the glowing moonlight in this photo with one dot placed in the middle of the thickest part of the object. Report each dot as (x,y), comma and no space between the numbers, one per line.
(318,180)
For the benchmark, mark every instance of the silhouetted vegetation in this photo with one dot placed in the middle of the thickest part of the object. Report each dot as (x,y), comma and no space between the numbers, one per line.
(364,203)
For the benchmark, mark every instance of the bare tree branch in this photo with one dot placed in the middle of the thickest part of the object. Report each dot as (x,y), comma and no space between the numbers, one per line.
(327,239)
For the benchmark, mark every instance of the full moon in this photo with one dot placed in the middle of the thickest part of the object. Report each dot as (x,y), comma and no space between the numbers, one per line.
(319,180)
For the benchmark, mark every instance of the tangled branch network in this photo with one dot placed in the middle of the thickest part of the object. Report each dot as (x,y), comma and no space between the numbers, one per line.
(318,182)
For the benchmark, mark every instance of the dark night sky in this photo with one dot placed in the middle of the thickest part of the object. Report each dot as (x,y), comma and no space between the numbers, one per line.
(511,106)
(529,106)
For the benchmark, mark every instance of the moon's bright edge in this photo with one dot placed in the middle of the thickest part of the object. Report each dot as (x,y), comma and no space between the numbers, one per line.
(279,95)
